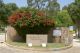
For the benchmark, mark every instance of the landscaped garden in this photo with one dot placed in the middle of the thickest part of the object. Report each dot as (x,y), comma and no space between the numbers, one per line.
(40,19)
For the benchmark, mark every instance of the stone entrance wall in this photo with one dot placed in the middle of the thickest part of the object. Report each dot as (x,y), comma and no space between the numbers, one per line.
(66,37)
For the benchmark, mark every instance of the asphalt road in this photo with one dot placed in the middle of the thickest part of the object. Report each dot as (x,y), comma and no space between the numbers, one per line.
(12,50)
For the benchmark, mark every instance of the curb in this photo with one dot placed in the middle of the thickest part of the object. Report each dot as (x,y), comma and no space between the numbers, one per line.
(40,49)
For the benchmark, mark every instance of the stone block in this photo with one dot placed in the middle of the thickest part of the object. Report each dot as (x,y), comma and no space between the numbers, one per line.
(36,39)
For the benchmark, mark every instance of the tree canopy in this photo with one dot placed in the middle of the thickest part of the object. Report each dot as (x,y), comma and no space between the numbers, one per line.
(50,7)
(74,11)
(6,10)
(63,19)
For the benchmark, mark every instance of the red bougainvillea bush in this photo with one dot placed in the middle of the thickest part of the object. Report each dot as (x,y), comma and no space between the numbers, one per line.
(31,22)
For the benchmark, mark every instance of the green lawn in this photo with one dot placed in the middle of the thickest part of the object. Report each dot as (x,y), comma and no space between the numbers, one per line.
(24,45)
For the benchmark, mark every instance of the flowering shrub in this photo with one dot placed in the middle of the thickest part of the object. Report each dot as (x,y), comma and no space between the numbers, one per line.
(31,21)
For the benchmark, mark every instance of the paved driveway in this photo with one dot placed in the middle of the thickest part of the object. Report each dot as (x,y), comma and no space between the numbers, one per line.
(6,49)
(2,37)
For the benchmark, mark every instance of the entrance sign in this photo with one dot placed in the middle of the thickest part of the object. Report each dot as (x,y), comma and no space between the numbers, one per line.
(57,32)
(71,28)
(36,39)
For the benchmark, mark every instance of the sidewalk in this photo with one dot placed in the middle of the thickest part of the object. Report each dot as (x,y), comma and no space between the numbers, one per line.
(3,45)
(76,42)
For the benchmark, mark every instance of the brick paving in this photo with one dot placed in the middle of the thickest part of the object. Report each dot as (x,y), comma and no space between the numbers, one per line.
(6,49)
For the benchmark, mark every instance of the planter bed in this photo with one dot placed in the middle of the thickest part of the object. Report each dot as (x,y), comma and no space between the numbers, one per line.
(50,46)
(24,45)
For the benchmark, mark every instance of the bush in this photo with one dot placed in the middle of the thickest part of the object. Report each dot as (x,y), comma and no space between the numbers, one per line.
(31,22)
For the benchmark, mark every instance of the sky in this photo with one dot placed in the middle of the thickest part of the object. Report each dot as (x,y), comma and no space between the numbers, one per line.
(23,3)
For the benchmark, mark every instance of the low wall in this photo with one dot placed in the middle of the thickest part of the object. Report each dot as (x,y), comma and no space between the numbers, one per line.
(36,39)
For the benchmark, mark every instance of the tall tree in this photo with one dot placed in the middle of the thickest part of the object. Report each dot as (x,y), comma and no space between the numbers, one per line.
(39,4)
(53,7)
(1,3)
(64,8)
(63,19)
(30,3)
(2,11)
(6,10)
(74,11)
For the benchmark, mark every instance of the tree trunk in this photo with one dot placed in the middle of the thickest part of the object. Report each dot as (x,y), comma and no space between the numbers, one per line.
(78,32)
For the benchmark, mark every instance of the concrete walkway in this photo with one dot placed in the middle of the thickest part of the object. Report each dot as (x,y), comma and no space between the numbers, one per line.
(74,49)
(76,42)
